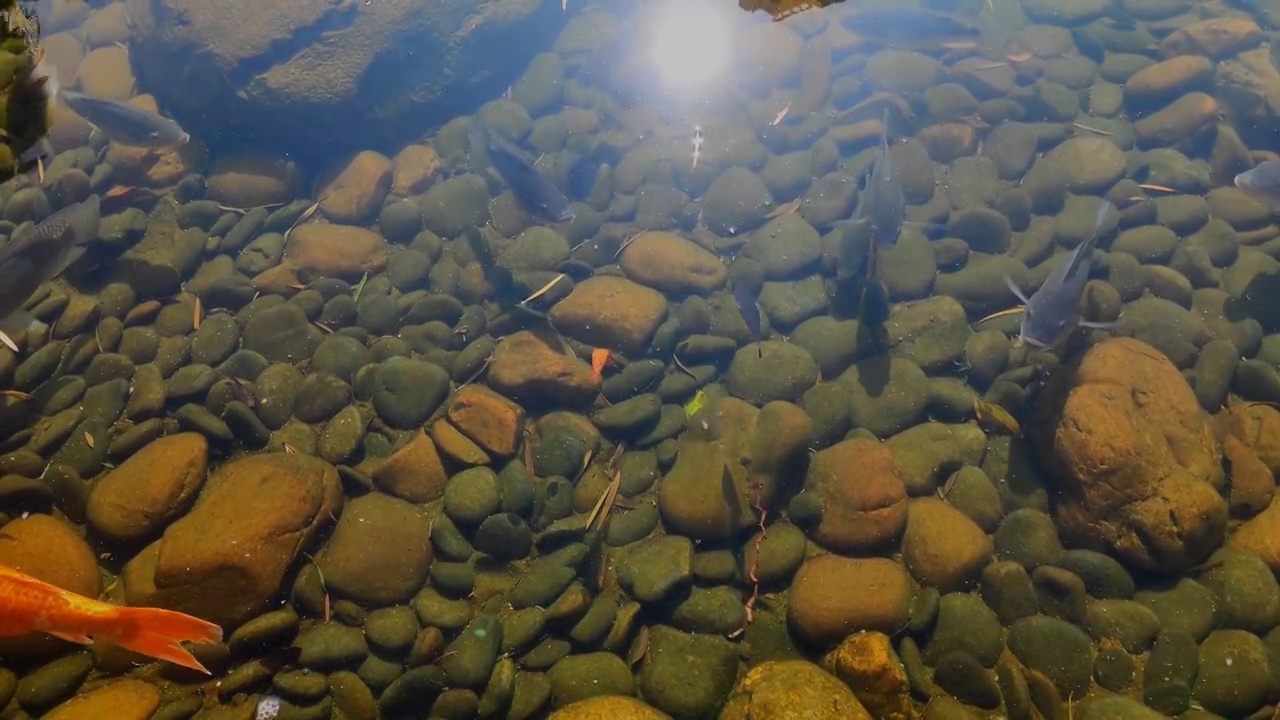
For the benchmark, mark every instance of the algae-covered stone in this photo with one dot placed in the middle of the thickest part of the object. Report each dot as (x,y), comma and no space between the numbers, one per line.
(792,690)
(1235,673)
(688,675)
(667,262)
(579,677)
(735,202)
(942,547)
(380,551)
(409,391)
(832,596)
(657,567)
(1056,648)
(771,370)
(886,396)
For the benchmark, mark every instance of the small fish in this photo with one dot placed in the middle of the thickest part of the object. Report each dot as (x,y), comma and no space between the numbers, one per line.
(536,194)
(995,419)
(600,357)
(32,258)
(746,301)
(882,204)
(1053,311)
(126,124)
(697,144)
(31,605)
(786,208)
(1263,183)
(903,23)
(781,114)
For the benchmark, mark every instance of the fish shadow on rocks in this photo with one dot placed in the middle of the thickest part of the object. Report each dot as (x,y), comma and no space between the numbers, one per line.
(1260,301)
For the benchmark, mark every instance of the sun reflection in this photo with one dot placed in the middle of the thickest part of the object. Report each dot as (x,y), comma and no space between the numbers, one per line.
(689,44)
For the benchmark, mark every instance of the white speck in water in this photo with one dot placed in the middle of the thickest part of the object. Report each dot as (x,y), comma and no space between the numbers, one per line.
(268,708)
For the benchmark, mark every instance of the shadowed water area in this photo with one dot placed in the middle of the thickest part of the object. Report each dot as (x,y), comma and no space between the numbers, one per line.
(590,360)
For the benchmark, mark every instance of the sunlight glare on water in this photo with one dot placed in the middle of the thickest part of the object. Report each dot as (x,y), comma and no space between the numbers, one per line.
(689,44)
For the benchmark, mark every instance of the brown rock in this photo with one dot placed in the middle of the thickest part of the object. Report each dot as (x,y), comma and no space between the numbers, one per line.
(942,547)
(107,26)
(151,488)
(253,179)
(526,368)
(226,559)
(413,169)
(792,690)
(948,141)
(64,52)
(106,72)
(1252,482)
(124,699)
(491,420)
(1257,425)
(457,447)
(48,548)
(712,490)
(335,250)
(380,551)
(866,662)
(414,472)
(864,500)
(608,707)
(1138,469)
(1168,78)
(1181,119)
(1215,37)
(1259,534)
(832,596)
(669,263)
(356,194)
(611,312)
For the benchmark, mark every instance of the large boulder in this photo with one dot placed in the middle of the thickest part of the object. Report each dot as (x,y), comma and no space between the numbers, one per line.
(323,78)
(1137,465)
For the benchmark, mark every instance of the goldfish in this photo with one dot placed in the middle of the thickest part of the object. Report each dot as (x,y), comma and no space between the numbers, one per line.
(30,605)
(600,357)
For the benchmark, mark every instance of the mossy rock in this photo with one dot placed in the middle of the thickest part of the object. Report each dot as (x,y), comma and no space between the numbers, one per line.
(25,111)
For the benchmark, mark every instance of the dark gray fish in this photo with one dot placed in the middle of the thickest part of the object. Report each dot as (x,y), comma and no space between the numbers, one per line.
(125,123)
(33,258)
(1053,311)
(907,24)
(750,309)
(883,204)
(535,193)
(1263,183)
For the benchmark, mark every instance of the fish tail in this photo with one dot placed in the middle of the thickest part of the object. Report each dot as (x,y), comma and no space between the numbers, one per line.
(157,633)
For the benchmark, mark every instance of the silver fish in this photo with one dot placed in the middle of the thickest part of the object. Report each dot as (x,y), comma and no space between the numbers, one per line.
(125,123)
(534,193)
(35,257)
(1263,183)
(1053,311)
(883,204)
(907,23)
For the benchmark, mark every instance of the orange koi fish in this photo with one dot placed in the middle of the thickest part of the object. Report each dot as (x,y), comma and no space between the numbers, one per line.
(29,605)
(599,359)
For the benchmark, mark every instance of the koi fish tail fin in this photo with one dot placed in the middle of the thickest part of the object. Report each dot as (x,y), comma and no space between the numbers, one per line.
(157,633)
